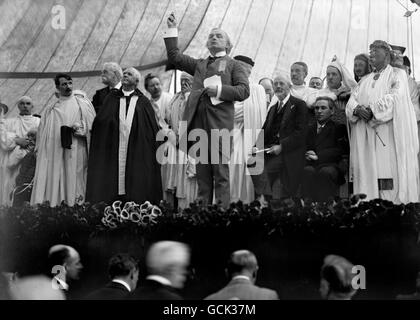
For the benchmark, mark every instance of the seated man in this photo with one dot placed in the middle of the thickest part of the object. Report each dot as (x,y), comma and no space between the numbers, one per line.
(327,144)
(124,273)
(336,279)
(242,270)
(284,133)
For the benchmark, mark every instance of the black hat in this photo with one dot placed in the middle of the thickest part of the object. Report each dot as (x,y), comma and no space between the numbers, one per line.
(245,59)
(398,48)
(4,107)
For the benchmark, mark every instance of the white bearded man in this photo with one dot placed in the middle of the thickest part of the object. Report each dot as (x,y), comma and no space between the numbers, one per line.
(13,143)
(384,142)
(249,118)
(62,147)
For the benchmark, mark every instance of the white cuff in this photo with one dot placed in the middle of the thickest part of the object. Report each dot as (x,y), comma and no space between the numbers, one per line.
(170,33)
(219,92)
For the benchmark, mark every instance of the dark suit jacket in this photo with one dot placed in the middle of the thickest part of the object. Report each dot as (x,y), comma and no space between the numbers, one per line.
(331,145)
(199,112)
(153,290)
(112,291)
(99,98)
(291,136)
(243,289)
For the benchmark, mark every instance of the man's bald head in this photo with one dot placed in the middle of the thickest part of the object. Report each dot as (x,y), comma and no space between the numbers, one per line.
(242,262)
(66,256)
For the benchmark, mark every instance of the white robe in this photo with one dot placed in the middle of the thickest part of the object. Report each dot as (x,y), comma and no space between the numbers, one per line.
(60,174)
(249,115)
(162,111)
(10,153)
(394,123)
(303,92)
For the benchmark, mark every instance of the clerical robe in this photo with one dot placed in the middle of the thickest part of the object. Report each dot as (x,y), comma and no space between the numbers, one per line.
(10,153)
(122,162)
(60,173)
(383,152)
(249,119)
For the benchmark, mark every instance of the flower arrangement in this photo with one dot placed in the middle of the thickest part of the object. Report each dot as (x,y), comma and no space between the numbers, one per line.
(131,212)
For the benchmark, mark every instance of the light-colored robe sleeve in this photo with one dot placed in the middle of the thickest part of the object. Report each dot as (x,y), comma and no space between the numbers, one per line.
(383,108)
(16,156)
(351,105)
(7,137)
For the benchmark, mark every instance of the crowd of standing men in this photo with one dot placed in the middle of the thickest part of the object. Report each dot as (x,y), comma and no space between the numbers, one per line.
(311,139)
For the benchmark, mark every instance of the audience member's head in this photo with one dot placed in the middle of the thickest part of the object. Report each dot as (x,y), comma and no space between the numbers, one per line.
(336,278)
(153,86)
(25,106)
(282,85)
(186,82)
(268,86)
(246,63)
(35,288)
(361,66)
(242,263)
(131,79)
(315,83)
(111,74)
(379,54)
(124,267)
(64,84)
(169,259)
(218,40)
(298,73)
(397,56)
(66,257)
(333,78)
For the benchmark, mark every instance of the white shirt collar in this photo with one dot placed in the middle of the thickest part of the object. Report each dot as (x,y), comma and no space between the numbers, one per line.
(159,279)
(286,99)
(241,277)
(63,284)
(127,93)
(219,54)
(125,284)
(117,86)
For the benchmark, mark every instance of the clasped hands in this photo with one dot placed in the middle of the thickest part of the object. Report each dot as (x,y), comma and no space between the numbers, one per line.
(310,155)
(364,113)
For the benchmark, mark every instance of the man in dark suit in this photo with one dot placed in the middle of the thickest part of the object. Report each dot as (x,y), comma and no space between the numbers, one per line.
(167,263)
(327,146)
(284,138)
(111,77)
(210,107)
(124,273)
(242,270)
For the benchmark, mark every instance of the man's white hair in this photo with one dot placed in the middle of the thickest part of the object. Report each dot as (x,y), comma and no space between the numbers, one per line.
(163,255)
(115,68)
(284,76)
(135,72)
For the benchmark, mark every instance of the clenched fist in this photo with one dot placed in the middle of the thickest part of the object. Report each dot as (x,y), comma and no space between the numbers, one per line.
(172,21)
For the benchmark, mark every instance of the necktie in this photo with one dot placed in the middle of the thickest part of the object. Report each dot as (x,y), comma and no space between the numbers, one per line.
(279,106)
(211,60)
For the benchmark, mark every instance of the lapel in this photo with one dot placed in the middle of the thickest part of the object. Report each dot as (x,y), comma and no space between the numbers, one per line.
(286,112)
(325,132)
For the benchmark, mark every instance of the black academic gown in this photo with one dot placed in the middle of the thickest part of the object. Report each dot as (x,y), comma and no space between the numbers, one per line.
(142,177)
